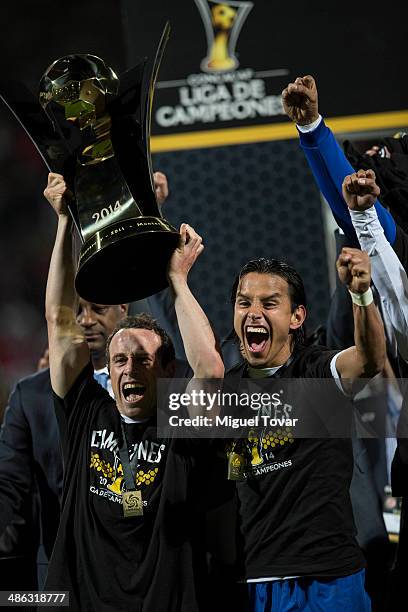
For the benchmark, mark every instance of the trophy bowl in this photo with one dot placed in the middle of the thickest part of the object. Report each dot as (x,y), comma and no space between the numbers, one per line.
(125,260)
(94,127)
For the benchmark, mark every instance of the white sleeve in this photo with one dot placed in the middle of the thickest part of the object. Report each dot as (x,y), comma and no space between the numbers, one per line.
(310,127)
(388,274)
(335,374)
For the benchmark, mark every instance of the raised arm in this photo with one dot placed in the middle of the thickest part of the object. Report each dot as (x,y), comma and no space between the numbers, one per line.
(367,357)
(326,159)
(196,332)
(360,191)
(68,350)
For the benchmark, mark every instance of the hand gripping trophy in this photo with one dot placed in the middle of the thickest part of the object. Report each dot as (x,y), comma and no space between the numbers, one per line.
(94,128)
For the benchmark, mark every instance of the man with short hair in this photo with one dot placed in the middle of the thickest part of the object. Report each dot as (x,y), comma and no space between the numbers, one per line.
(299,550)
(131,528)
(31,470)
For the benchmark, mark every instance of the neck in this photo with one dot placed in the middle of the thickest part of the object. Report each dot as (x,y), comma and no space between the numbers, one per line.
(278,360)
(281,357)
(98,361)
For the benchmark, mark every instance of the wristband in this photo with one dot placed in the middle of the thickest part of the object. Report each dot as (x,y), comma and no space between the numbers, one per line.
(362,299)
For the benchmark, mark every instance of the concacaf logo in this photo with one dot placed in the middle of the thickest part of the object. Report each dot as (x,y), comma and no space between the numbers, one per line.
(223,22)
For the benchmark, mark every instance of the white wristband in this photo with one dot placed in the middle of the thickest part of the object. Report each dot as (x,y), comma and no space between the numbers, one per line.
(362,299)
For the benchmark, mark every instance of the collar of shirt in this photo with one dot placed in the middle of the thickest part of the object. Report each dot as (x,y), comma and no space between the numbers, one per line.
(103,378)
(128,420)
(262,372)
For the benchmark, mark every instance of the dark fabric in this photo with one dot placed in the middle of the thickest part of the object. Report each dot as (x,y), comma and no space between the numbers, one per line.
(367,495)
(340,321)
(295,511)
(391,174)
(109,562)
(30,475)
(399,483)
(230,351)
(400,246)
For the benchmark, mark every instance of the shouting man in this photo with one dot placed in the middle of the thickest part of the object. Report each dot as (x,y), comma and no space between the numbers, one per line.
(130,529)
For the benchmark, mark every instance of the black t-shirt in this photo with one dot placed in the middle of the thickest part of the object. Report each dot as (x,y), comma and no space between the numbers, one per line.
(400,247)
(295,510)
(106,561)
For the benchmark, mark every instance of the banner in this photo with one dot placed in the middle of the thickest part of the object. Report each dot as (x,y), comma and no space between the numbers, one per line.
(227,62)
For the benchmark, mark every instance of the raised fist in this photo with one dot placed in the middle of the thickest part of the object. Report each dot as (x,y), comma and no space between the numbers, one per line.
(354,269)
(360,190)
(300,100)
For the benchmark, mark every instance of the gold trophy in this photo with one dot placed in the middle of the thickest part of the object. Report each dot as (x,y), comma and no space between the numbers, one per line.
(94,128)
(223,22)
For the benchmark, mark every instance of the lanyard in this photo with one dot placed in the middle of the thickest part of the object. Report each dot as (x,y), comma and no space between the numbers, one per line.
(240,454)
(127,465)
(131,497)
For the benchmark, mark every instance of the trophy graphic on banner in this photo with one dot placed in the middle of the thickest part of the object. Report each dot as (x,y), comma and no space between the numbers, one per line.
(223,22)
(94,128)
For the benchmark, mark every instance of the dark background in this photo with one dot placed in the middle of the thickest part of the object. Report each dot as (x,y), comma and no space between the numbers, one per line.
(32,35)
(354,50)
(247,200)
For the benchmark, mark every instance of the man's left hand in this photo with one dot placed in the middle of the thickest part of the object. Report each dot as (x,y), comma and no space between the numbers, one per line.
(354,269)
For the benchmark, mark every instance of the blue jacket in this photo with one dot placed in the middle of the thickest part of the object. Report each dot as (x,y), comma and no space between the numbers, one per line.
(329,166)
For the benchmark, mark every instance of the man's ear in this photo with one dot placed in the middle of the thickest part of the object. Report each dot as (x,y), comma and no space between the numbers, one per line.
(124,308)
(298,317)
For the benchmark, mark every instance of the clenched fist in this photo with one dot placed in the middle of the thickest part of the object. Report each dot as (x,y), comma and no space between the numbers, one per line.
(354,269)
(300,100)
(360,190)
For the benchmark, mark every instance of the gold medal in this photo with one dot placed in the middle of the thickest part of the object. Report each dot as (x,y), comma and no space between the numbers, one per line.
(236,467)
(132,503)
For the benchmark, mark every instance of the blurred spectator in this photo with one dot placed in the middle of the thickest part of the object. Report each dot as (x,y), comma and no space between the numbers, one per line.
(44,361)
(4,391)
(389,160)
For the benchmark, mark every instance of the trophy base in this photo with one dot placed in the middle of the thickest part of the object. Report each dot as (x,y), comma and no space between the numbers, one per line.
(126,261)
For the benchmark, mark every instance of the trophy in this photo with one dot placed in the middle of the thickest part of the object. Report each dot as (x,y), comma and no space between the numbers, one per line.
(223,22)
(94,129)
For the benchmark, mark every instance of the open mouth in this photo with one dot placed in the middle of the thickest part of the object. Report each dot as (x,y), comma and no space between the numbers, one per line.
(133,392)
(256,337)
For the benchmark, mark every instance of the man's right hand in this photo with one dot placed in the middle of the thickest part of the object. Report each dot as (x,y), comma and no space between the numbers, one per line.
(57,193)
(300,100)
(185,255)
(360,190)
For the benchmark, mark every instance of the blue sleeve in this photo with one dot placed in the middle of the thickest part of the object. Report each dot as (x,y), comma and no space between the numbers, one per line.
(329,166)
